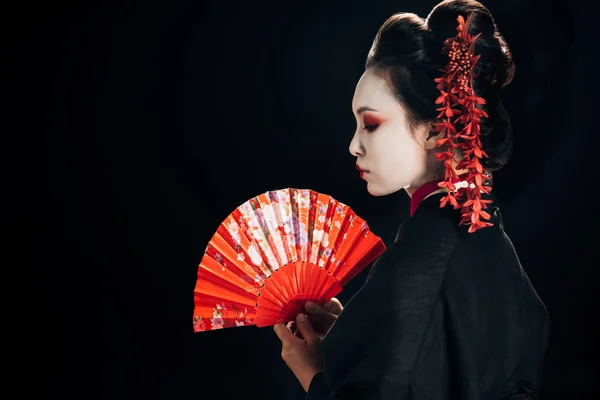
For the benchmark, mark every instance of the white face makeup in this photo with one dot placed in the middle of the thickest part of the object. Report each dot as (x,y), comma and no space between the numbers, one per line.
(387,152)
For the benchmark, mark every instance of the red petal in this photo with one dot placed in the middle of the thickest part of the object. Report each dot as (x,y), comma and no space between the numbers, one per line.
(443,201)
(453,201)
(440,156)
(478,180)
(478,166)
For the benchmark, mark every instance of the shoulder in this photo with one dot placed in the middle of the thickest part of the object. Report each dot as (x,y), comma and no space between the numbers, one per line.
(484,269)
(420,253)
(488,251)
(434,231)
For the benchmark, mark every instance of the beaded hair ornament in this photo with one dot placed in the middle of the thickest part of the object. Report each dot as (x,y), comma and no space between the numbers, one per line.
(458,121)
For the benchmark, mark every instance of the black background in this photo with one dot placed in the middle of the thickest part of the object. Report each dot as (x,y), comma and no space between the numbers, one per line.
(137,127)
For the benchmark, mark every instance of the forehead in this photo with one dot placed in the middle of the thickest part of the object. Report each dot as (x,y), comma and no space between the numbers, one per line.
(372,91)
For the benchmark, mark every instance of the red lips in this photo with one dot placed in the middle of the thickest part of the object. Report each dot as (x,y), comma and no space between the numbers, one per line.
(361,171)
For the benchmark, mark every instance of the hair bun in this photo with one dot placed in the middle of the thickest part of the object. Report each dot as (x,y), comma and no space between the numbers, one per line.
(496,67)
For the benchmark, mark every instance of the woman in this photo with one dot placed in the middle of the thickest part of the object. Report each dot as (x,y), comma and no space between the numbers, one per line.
(447,312)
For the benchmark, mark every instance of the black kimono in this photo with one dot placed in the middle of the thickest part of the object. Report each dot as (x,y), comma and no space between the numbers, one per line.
(443,314)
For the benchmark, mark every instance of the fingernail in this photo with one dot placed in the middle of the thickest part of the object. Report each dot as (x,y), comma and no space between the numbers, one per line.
(302,317)
(310,305)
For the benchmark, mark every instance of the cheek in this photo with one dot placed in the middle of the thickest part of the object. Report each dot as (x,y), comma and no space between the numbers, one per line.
(395,152)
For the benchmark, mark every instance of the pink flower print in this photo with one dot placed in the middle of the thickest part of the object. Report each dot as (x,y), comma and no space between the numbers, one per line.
(217,322)
(199,324)
(340,210)
(327,252)
(322,209)
(303,239)
(221,307)
(365,226)
(219,260)
(239,323)
(300,234)
(303,202)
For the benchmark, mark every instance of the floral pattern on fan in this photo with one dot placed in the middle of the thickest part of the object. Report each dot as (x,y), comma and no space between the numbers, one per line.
(276,251)
(217,321)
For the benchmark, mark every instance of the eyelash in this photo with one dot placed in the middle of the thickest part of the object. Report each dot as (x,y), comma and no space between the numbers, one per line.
(367,127)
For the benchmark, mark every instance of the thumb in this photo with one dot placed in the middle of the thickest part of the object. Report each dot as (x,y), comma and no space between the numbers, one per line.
(306,329)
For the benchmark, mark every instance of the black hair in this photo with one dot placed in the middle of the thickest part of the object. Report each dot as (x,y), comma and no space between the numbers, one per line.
(407,54)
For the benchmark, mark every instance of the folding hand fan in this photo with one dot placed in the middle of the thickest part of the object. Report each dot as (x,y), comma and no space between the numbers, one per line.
(274,253)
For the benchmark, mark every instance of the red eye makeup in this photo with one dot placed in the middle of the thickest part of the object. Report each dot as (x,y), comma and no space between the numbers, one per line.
(371,122)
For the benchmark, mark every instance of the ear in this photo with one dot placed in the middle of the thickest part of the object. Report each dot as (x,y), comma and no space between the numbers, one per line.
(431,137)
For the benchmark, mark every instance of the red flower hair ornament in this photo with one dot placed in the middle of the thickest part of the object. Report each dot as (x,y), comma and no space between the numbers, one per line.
(458,121)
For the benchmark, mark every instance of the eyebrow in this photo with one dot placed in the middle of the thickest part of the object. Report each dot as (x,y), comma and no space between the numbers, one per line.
(364,108)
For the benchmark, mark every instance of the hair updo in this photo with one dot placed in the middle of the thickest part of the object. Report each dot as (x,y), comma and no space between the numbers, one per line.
(407,54)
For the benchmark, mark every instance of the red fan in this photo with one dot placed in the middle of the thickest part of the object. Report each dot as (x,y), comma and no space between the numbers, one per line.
(274,253)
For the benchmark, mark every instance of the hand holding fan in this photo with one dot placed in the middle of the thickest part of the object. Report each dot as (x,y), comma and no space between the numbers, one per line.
(274,253)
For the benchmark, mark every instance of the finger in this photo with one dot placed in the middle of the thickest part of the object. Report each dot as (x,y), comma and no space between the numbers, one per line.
(333,306)
(293,328)
(282,331)
(319,313)
(310,336)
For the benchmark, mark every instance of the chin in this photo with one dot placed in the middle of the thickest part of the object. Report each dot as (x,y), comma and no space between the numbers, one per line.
(376,190)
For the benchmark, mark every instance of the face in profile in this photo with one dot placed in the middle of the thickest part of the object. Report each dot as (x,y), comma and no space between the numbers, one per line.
(389,155)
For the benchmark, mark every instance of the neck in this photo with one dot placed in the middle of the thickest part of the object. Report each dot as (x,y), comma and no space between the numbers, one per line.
(432,177)
(424,191)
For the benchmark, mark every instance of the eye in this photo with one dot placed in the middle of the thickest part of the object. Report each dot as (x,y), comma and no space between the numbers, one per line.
(370,127)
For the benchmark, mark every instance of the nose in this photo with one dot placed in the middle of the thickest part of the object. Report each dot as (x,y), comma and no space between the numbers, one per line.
(354,147)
